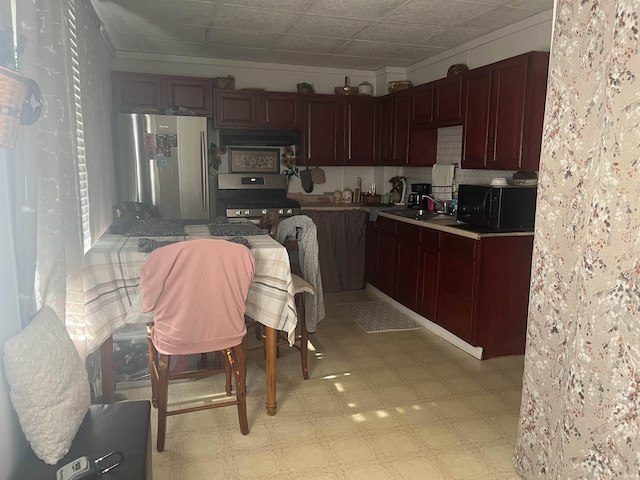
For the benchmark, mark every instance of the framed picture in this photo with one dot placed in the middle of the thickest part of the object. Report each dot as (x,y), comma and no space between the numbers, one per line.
(254,160)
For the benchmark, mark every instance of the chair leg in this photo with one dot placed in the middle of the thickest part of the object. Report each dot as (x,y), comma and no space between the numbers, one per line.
(304,337)
(153,372)
(228,388)
(163,394)
(237,360)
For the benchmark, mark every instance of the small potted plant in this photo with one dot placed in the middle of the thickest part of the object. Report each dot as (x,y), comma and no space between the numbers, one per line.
(305,87)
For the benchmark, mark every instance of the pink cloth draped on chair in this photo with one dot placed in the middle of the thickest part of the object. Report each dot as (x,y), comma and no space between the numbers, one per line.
(215,276)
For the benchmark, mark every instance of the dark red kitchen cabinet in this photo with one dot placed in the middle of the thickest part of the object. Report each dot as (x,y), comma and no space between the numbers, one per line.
(423,145)
(386,255)
(235,109)
(447,94)
(194,94)
(518,88)
(160,93)
(475,132)
(280,110)
(429,268)
(422,103)
(401,128)
(132,91)
(323,139)
(385,129)
(408,263)
(456,292)
(360,125)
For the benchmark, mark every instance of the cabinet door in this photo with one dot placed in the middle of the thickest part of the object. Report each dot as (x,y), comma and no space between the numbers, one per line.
(385,129)
(191,93)
(408,261)
(429,272)
(401,128)
(134,91)
(280,110)
(386,255)
(360,127)
(423,145)
(475,136)
(235,109)
(509,90)
(323,139)
(422,103)
(447,94)
(456,286)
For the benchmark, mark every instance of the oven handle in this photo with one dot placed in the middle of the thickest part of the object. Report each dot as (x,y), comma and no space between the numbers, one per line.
(205,169)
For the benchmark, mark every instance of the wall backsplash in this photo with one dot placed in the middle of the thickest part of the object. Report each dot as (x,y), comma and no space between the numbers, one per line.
(449,152)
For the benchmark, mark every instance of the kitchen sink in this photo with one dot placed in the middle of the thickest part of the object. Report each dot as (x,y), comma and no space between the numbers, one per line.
(421,215)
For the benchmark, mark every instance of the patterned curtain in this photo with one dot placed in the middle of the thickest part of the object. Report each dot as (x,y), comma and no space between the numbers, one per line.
(49,245)
(580,413)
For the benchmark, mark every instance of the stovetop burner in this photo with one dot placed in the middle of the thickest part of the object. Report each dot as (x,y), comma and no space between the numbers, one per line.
(250,196)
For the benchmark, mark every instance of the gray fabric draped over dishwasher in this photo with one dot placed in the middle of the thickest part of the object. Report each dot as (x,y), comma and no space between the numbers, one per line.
(341,241)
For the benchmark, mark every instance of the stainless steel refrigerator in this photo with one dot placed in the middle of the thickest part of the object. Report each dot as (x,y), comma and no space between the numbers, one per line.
(163,161)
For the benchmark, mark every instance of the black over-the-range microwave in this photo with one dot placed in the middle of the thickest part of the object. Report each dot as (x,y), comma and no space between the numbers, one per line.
(500,208)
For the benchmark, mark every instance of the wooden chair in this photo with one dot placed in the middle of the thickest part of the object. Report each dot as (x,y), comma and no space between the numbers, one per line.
(197,291)
(270,222)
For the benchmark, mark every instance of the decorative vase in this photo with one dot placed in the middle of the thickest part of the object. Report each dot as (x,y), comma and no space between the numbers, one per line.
(395,197)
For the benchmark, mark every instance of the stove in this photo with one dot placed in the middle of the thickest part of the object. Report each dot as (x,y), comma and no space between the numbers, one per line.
(250,196)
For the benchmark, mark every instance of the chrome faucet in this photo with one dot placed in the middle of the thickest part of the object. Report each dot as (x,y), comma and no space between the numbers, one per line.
(442,206)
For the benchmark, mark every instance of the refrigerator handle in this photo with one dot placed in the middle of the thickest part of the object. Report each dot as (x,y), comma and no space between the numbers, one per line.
(205,173)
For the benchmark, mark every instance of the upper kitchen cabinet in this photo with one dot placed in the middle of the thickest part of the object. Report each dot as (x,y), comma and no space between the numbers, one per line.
(422,103)
(477,93)
(447,101)
(323,138)
(243,109)
(511,126)
(360,126)
(134,92)
(280,110)
(395,125)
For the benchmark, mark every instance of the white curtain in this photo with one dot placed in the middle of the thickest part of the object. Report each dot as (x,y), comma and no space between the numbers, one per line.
(580,413)
(48,204)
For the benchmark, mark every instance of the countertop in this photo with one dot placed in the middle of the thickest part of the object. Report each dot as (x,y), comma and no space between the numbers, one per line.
(449,225)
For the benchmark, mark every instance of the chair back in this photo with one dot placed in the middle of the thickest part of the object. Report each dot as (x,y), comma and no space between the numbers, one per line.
(197,290)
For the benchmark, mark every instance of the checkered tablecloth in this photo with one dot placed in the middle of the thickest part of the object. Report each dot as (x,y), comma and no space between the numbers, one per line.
(112,276)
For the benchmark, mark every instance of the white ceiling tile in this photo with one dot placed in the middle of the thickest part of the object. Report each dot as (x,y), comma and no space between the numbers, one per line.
(240,38)
(252,19)
(361,9)
(453,36)
(497,18)
(284,5)
(308,44)
(320,26)
(168,47)
(177,32)
(405,34)
(438,12)
(415,54)
(369,49)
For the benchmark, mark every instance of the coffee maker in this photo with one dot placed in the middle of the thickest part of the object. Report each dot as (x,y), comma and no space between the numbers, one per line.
(419,195)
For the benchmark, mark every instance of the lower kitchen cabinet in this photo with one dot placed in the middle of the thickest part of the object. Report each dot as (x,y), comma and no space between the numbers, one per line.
(456,295)
(385,238)
(477,289)
(429,269)
(408,260)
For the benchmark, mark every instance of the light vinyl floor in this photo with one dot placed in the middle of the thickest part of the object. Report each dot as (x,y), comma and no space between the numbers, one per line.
(395,405)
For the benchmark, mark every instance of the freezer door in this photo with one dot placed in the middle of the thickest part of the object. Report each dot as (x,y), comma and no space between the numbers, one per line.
(164,162)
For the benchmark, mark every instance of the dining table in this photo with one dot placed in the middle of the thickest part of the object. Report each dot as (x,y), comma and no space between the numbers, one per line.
(112,296)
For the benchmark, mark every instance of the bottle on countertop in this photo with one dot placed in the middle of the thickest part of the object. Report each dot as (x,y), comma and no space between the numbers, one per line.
(357,192)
